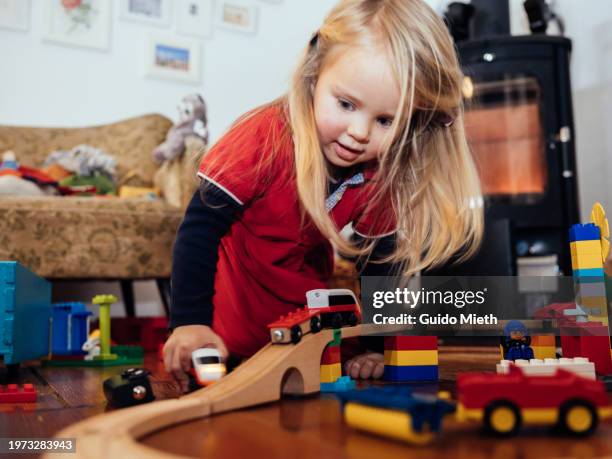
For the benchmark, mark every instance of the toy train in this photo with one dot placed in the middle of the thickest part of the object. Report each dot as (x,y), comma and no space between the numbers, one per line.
(207,366)
(325,308)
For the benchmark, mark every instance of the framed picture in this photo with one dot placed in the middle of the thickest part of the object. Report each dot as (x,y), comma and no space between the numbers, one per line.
(195,17)
(78,22)
(153,12)
(236,15)
(15,14)
(173,58)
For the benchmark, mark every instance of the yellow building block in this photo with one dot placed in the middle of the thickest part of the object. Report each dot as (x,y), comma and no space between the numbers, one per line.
(602,319)
(593,246)
(586,260)
(394,424)
(595,302)
(586,254)
(331,372)
(544,352)
(407,358)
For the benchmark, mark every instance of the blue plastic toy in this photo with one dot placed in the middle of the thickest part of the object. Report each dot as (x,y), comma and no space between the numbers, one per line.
(25,314)
(423,409)
(70,328)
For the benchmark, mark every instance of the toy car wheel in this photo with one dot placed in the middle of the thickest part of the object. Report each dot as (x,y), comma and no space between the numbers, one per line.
(336,321)
(296,334)
(315,324)
(578,418)
(502,418)
(352,319)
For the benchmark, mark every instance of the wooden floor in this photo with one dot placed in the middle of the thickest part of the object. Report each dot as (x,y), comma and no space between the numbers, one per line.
(295,428)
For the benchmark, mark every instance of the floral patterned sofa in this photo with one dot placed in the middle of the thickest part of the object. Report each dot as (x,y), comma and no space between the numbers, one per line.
(91,238)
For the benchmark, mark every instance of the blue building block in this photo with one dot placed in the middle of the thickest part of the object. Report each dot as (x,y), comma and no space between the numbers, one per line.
(25,314)
(411,373)
(70,328)
(343,383)
(587,232)
(594,274)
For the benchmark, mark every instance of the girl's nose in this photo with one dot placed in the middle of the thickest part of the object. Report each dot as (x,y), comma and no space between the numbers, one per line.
(359,131)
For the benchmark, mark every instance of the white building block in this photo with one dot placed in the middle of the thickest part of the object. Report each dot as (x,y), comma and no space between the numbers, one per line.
(578,365)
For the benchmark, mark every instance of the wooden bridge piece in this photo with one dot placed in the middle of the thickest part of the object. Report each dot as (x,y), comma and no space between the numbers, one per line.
(274,370)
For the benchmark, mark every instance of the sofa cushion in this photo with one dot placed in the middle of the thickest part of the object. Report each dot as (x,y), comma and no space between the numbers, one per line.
(74,237)
(130,142)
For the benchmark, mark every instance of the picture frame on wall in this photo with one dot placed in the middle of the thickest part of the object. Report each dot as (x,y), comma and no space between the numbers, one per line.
(15,15)
(236,15)
(82,23)
(173,58)
(195,17)
(152,12)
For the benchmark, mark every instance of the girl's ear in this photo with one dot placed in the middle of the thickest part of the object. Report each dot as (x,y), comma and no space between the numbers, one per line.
(312,89)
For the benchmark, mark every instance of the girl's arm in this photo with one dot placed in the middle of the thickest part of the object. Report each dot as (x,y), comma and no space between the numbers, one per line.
(196,254)
(207,219)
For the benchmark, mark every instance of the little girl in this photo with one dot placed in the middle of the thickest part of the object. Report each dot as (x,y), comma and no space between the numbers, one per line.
(370,134)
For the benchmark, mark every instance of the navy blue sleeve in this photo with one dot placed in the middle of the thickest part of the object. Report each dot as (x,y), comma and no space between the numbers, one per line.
(208,218)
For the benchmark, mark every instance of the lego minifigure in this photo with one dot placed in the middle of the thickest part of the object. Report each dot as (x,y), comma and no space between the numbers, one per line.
(516,341)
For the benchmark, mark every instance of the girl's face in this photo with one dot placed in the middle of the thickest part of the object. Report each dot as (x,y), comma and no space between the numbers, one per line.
(355,100)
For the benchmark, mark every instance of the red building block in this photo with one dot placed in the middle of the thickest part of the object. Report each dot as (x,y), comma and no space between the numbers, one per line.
(331,354)
(411,343)
(14,394)
(591,340)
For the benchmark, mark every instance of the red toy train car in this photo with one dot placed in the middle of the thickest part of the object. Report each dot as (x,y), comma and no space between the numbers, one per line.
(325,308)
(505,401)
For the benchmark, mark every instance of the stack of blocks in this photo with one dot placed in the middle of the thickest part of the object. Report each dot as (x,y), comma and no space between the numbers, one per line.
(592,340)
(587,266)
(411,358)
(331,367)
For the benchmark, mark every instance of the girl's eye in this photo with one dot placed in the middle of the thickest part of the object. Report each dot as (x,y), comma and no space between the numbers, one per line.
(345,104)
(385,122)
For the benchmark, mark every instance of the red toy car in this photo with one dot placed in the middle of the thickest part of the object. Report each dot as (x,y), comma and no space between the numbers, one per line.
(504,401)
(326,308)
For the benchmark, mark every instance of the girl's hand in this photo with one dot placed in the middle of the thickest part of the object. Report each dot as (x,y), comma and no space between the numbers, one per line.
(370,365)
(181,343)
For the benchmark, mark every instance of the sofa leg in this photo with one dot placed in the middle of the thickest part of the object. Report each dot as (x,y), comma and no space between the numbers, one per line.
(127,292)
(163,285)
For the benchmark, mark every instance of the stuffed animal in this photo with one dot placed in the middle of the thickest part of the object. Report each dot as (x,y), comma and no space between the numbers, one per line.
(192,122)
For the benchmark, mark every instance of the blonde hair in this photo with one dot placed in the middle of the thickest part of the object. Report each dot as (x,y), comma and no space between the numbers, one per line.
(427,170)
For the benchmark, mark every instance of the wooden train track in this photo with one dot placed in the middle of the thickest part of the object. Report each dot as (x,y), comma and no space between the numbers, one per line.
(275,370)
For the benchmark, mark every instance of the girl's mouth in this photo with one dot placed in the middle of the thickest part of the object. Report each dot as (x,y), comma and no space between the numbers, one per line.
(345,153)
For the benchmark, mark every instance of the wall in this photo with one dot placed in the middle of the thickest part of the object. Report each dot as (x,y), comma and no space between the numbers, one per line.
(47,84)
(589,25)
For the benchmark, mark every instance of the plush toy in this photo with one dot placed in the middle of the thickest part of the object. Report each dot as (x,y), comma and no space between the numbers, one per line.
(192,122)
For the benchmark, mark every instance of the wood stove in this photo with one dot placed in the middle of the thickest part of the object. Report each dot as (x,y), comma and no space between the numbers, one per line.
(520,128)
